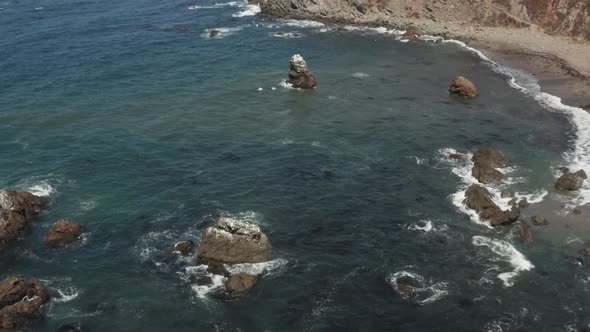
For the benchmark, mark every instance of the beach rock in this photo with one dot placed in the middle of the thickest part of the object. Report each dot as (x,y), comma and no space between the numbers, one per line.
(217,267)
(411,34)
(479,199)
(20,302)
(525,232)
(185,247)
(539,221)
(571,181)
(486,174)
(506,193)
(523,203)
(463,87)
(300,76)
(491,157)
(240,283)
(564,169)
(584,252)
(64,232)
(17,210)
(231,242)
(214,33)
(342,29)
(585,107)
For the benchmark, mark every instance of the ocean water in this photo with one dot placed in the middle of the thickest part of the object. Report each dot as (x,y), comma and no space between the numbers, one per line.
(139,126)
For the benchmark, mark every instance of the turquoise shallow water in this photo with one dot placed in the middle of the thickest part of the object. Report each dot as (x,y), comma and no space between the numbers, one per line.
(144,130)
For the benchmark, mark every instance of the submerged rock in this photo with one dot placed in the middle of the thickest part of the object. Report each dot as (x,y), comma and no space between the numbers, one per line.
(216,267)
(564,169)
(457,156)
(231,242)
(185,247)
(463,87)
(525,232)
(584,252)
(539,221)
(585,107)
(571,181)
(64,232)
(523,203)
(75,327)
(507,193)
(20,302)
(214,33)
(300,76)
(240,283)
(479,199)
(404,290)
(17,210)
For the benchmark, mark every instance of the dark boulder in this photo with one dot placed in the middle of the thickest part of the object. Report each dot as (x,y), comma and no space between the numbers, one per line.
(63,233)
(564,169)
(231,242)
(479,199)
(20,302)
(585,107)
(457,156)
(216,267)
(214,33)
(185,247)
(491,157)
(75,327)
(571,181)
(17,210)
(523,203)
(300,77)
(240,283)
(486,174)
(463,87)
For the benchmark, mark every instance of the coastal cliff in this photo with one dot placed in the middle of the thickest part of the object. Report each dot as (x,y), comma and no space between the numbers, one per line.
(566,17)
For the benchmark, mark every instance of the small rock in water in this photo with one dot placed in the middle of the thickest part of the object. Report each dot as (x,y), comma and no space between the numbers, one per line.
(457,156)
(204,280)
(479,199)
(585,107)
(564,169)
(523,203)
(486,174)
(571,181)
(240,283)
(185,247)
(525,232)
(300,77)
(506,193)
(463,87)
(584,252)
(214,33)
(216,267)
(513,201)
(342,29)
(77,327)
(64,232)
(577,211)
(21,302)
(491,157)
(231,241)
(539,221)
(405,291)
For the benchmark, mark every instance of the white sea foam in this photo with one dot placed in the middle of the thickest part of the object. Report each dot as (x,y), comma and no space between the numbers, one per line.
(508,253)
(287,35)
(578,157)
(360,75)
(270,267)
(250,10)
(303,23)
(423,291)
(202,291)
(223,32)
(41,189)
(378,30)
(286,85)
(87,205)
(66,295)
(219,5)
(426,226)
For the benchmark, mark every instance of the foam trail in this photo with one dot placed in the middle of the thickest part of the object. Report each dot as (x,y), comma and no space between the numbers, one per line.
(257,268)
(41,189)
(251,10)
(507,252)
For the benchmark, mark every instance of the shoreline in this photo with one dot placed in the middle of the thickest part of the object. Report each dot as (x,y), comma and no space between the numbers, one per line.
(560,64)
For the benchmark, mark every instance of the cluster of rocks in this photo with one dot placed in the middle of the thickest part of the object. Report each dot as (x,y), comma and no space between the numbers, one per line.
(230,242)
(21,299)
(21,302)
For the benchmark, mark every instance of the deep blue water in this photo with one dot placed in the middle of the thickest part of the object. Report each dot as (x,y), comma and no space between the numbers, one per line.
(144,130)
